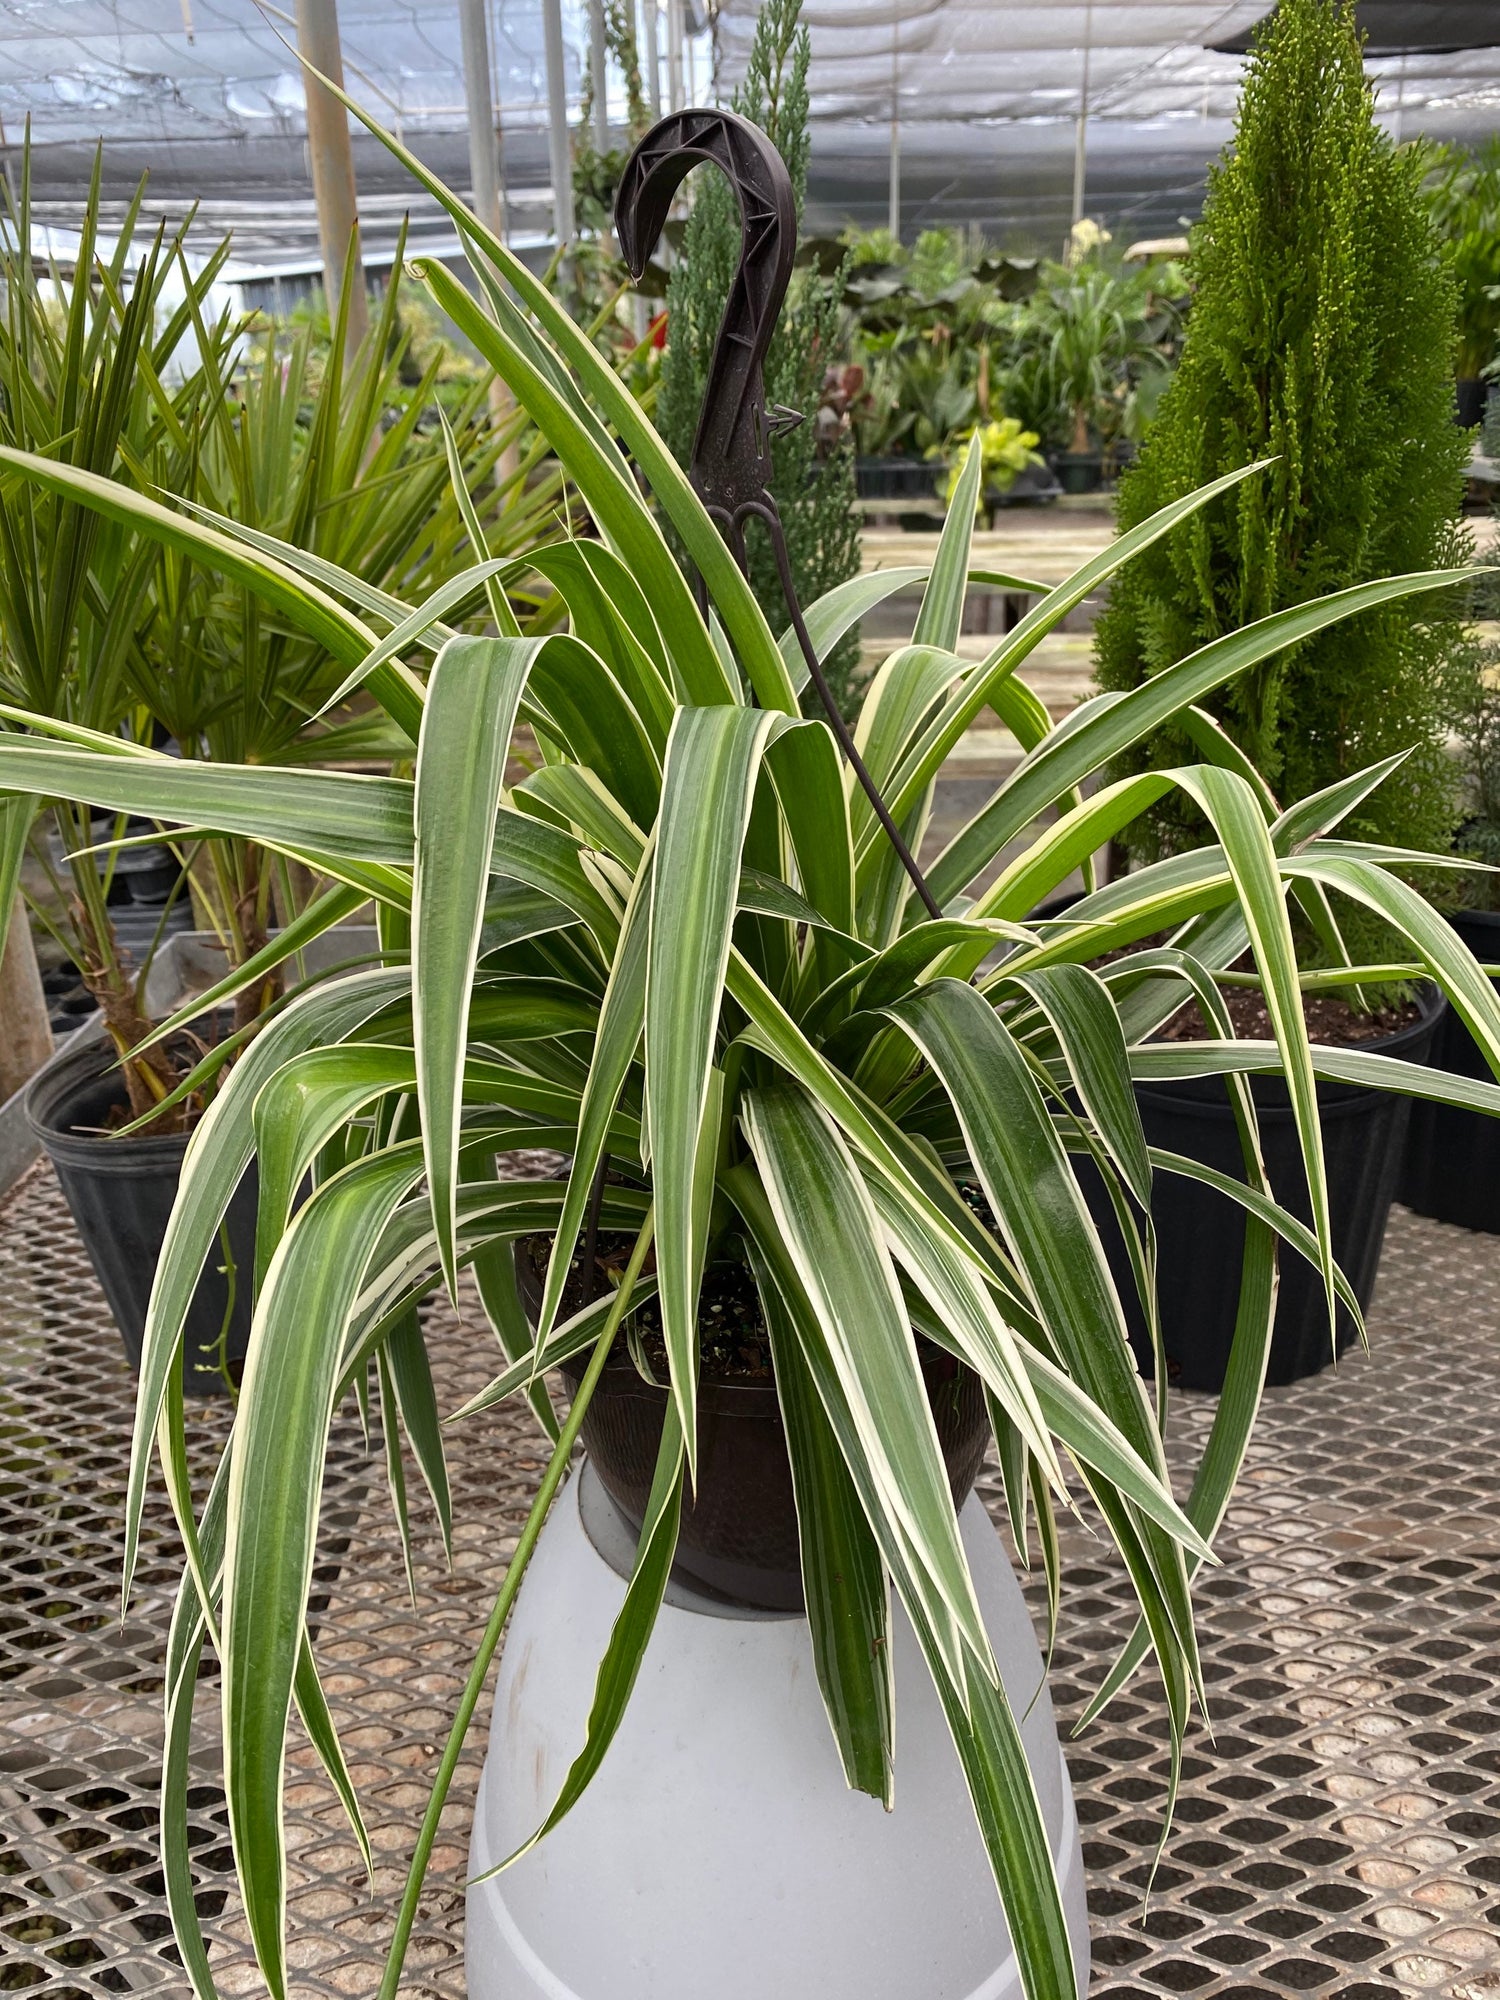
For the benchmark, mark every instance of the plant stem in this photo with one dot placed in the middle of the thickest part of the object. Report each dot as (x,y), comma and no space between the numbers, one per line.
(148,1078)
(557,1465)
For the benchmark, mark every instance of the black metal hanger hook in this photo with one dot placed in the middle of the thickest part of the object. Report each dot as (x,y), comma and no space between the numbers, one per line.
(730,466)
(731,461)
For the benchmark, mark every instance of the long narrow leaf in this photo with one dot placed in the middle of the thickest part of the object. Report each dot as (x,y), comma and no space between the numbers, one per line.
(311,608)
(981,682)
(16,816)
(834,1238)
(217,1155)
(411,1376)
(978,1714)
(1110,727)
(629,1636)
(621,1019)
(472,700)
(1234,810)
(940,618)
(844,1585)
(275,1485)
(713,758)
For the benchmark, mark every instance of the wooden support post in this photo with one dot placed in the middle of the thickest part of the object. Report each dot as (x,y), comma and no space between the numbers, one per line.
(332,159)
(484,175)
(25,1037)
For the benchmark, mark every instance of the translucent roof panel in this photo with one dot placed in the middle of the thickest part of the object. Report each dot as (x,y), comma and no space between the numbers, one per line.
(987,98)
(207,96)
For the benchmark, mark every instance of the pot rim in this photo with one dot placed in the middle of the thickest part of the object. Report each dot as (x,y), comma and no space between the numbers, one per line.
(1335,1100)
(59,1083)
(712,1390)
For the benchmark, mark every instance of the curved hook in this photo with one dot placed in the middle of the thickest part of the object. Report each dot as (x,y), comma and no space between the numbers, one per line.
(731,461)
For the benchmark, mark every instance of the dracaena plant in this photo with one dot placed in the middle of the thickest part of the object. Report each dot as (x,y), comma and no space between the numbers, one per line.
(105,628)
(91,376)
(684,942)
(346,460)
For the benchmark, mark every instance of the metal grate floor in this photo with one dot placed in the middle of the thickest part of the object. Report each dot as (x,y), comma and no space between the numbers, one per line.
(1341,1838)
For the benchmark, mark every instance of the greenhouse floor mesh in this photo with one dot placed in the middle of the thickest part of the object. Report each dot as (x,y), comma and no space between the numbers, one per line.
(1340,1837)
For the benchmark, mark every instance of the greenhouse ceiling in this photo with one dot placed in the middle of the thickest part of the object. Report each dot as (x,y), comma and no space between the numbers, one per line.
(205,94)
(987,99)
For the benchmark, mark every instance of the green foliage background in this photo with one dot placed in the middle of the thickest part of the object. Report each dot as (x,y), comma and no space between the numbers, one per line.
(815,495)
(1322,334)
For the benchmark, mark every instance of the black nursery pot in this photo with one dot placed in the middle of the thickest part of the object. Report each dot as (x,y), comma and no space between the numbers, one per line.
(738,1538)
(894,478)
(1452,1165)
(1079,471)
(1201,1234)
(121,1192)
(1469,395)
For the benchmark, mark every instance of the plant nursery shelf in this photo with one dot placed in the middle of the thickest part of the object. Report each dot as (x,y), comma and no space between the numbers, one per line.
(1341,1840)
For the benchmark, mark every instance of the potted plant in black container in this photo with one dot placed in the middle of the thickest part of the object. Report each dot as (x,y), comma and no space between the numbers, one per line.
(1327,350)
(738,1533)
(75,594)
(1200,1232)
(1451,1169)
(1082,346)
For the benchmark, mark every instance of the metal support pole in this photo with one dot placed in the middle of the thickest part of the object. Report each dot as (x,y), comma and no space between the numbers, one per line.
(894,223)
(652,54)
(332,161)
(598,75)
(674,55)
(484,174)
(1081,136)
(557,122)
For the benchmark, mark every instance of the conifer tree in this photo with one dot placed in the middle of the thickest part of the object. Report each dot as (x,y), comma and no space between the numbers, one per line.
(1321,334)
(815,494)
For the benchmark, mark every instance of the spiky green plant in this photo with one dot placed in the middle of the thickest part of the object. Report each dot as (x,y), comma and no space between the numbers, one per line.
(687,921)
(814,490)
(355,466)
(91,375)
(1080,347)
(104,627)
(1321,334)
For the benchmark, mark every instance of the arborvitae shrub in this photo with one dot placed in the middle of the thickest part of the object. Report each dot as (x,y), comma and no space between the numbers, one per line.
(815,494)
(1321,334)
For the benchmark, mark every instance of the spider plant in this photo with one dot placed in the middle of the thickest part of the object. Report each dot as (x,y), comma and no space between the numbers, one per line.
(684,943)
